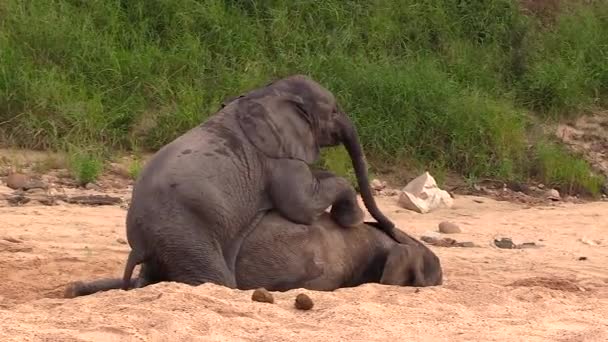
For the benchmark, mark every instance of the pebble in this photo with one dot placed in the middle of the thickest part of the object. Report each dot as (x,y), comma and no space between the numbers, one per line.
(121,241)
(446,227)
(303,302)
(262,295)
(505,243)
(92,186)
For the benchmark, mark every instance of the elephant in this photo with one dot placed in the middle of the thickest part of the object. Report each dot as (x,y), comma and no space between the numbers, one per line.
(199,196)
(280,255)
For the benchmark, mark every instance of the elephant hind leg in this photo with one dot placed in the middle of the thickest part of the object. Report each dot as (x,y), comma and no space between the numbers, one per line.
(195,263)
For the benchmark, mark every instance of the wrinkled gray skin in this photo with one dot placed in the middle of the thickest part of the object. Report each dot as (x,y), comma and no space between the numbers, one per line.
(280,255)
(199,196)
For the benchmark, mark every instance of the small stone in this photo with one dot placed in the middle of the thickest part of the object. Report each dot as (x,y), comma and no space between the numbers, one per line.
(429,239)
(528,245)
(378,184)
(121,241)
(430,235)
(477,200)
(446,227)
(35,184)
(303,302)
(541,186)
(553,195)
(583,258)
(92,186)
(16,181)
(262,295)
(505,243)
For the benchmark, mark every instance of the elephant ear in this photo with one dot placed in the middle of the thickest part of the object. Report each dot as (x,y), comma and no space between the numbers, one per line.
(279,126)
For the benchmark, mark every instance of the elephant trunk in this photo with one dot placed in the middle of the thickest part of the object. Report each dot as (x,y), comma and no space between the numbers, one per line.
(353,146)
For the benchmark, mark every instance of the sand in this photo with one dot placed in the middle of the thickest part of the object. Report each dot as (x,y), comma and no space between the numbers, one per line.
(489,294)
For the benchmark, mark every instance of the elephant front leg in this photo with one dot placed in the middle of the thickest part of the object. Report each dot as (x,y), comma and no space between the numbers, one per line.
(301,195)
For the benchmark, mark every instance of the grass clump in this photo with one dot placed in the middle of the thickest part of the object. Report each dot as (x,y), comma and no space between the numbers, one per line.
(440,82)
(562,170)
(85,164)
(135,167)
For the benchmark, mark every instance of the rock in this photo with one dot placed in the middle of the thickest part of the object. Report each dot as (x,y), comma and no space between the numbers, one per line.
(430,236)
(445,241)
(476,200)
(390,192)
(262,295)
(378,185)
(446,227)
(17,181)
(527,245)
(303,302)
(541,186)
(583,258)
(17,199)
(422,195)
(94,200)
(505,243)
(553,195)
(121,241)
(429,239)
(92,186)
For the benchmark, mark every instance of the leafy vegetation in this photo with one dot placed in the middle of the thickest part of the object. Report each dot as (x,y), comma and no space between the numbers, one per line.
(442,82)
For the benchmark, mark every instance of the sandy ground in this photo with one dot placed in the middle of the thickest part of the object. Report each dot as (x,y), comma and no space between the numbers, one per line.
(490,294)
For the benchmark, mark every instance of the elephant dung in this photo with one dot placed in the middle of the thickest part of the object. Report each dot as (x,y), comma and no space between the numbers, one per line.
(262,295)
(423,195)
(303,302)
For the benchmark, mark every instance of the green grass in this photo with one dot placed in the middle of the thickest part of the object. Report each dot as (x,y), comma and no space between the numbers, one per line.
(85,163)
(448,84)
(562,170)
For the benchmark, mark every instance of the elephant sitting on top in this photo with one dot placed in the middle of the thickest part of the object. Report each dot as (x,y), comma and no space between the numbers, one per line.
(200,195)
(280,255)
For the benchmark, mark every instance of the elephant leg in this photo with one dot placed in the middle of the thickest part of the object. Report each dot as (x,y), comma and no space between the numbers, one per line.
(403,267)
(195,263)
(301,195)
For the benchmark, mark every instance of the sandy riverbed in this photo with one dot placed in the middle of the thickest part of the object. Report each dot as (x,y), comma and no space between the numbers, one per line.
(490,294)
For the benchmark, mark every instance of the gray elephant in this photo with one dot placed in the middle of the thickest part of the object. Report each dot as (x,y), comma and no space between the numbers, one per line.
(200,195)
(280,255)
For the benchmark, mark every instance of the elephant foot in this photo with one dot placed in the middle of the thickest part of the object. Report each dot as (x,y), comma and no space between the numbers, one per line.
(347,215)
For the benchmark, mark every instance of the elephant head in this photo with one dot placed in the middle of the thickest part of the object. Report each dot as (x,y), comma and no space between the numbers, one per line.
(293,118)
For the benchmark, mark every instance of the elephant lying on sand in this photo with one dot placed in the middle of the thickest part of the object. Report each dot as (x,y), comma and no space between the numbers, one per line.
(201,194)
(280,255)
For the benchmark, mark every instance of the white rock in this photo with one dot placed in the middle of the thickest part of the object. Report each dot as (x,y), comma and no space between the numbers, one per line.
(422,195)
(553,194)
(378,184)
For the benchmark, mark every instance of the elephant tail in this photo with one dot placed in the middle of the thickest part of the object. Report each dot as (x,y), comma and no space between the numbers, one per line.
(133,260)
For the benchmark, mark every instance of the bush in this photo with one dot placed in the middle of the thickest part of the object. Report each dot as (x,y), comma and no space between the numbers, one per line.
(441,82)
